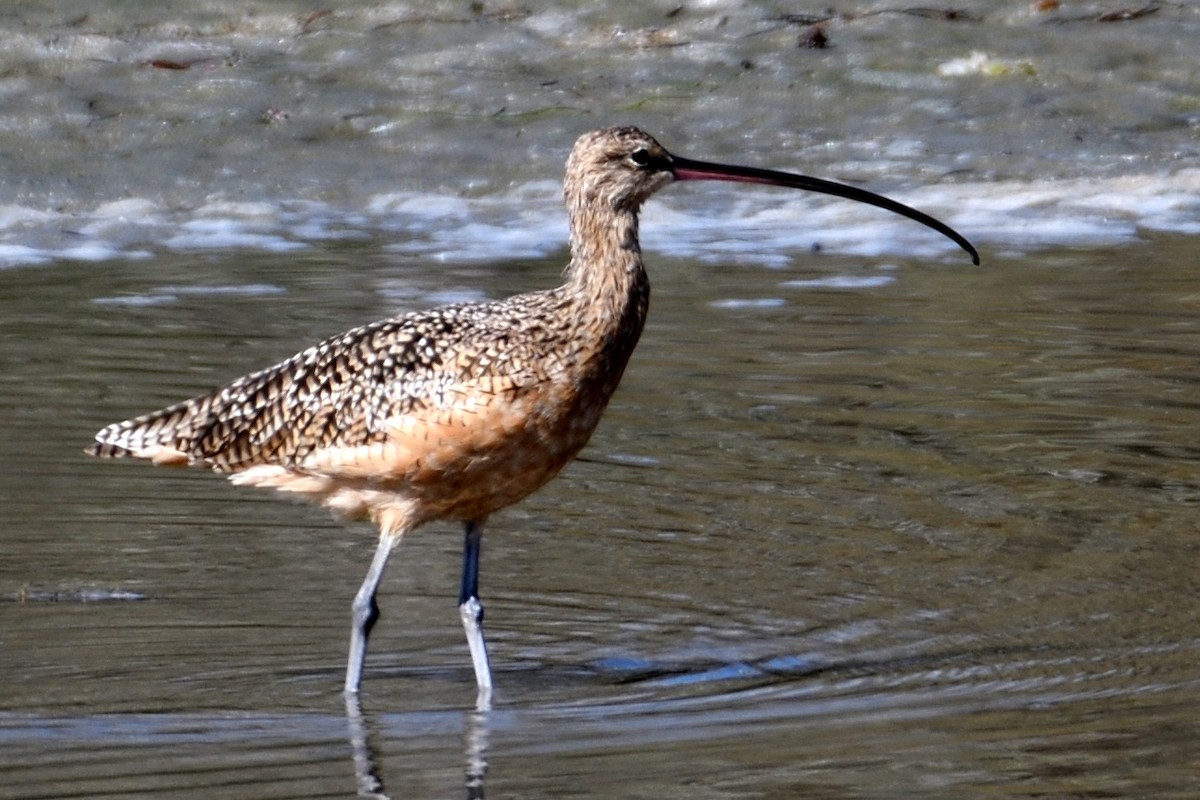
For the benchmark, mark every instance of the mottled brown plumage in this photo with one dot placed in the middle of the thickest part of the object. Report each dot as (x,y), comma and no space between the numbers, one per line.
(454,412)
(459,411)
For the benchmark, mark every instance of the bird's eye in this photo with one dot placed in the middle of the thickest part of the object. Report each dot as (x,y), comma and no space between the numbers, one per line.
(640,157)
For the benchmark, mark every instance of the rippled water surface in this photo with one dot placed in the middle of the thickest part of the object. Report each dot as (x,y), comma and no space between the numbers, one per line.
(863,521)
(927,538)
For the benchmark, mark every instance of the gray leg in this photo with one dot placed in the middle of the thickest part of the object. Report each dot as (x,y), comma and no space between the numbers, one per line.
(365,612)
(471,611)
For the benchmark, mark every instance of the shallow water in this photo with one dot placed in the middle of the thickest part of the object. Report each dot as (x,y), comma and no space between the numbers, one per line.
(930,538)
(862,521)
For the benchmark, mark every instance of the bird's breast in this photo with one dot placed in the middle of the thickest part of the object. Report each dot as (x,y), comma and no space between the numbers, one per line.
(477,446)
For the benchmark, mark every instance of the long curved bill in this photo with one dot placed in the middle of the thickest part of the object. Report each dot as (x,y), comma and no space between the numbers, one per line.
(685,169)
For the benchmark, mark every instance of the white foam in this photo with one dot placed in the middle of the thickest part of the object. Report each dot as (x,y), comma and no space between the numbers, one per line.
(13,254)
(420,206)
(132,209)
(980,63)
(720,223)
(226,234)
(135,300)
(162,295)
(94,250)
(738,303)
(841,282)
(12,216)
(246,289)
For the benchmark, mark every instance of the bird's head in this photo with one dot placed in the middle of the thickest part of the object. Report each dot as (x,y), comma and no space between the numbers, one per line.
(615,170)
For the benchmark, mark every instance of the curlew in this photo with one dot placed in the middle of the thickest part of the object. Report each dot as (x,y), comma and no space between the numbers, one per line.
(459,411)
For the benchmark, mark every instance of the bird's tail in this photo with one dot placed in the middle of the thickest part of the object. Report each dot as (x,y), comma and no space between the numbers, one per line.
(163,437)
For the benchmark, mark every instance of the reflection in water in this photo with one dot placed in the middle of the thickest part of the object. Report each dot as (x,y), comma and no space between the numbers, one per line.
(366,768)
(476,741)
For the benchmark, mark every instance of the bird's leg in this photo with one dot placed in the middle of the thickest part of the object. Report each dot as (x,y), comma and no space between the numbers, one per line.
(365,612)
(471,611)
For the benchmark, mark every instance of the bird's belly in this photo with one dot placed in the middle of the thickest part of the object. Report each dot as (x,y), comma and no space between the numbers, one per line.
(471,467)
(460,460)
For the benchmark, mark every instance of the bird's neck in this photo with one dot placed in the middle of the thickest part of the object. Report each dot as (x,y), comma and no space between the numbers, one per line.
(606,276)
(607,292)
